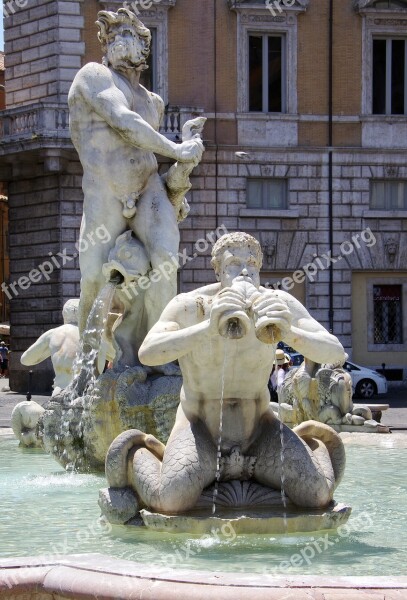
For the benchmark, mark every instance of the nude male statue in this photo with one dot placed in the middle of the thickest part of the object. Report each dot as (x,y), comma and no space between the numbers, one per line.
(114,124)
(61,344)
(236,370)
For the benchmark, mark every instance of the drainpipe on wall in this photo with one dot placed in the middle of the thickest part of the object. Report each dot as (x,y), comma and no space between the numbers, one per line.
(215,37)
(330,166)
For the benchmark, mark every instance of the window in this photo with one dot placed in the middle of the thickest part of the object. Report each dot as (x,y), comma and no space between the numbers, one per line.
(390,4)
(266,73)
(266,193)
(388,319)
(388,195)
(149,76)
(389,76)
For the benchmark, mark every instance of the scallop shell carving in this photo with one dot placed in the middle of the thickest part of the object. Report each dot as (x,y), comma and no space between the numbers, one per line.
(240,494)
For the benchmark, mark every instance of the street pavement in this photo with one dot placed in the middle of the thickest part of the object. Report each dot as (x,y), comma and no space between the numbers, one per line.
(395,417)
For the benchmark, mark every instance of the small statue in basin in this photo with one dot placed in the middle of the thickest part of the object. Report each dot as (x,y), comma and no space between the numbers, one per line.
(224,336)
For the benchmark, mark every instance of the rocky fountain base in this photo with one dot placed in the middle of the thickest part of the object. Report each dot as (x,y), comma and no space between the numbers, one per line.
(78,433)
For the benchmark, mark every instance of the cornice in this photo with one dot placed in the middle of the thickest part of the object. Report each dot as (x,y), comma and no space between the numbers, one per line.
(368,6)
(140,6)
(300,5)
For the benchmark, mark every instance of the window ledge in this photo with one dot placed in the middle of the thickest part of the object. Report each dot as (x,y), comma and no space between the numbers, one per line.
(260,116)
(363,8)
(281,213)
(244,5)
(387,348)
(383,119)
(385,214)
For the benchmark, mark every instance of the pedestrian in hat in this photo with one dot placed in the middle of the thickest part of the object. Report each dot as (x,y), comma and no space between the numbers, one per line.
(280,368)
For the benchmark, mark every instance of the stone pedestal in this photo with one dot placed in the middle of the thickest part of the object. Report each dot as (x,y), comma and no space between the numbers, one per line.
(262,522)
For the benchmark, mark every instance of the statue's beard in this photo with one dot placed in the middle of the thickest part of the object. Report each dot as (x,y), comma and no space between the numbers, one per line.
(121,57)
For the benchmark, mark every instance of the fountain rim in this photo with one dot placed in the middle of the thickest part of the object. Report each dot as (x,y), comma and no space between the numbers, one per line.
(85,576)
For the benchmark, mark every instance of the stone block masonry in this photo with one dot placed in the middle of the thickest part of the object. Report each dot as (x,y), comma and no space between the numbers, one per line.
(44,50)
(45,212)
(302,230)
(296,234)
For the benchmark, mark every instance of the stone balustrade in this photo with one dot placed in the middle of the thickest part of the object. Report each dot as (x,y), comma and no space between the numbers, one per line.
(34,120)
(52,120)
(175,118)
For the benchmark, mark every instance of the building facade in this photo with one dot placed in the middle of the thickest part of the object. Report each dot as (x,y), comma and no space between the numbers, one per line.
(306,149)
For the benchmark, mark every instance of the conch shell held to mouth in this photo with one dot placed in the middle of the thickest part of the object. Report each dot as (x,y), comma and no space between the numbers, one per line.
(235,324)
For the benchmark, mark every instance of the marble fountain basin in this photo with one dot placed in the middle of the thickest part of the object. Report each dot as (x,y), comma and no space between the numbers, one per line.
(53,544)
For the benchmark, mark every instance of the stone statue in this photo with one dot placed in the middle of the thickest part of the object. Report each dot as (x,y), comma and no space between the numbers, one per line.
(114,124)
(24,423)
(224,336)
(322,392)
(61,344)
(126,282)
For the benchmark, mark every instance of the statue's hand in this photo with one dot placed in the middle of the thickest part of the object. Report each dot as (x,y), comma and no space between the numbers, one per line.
(228,300)
(190,151)
(275,309)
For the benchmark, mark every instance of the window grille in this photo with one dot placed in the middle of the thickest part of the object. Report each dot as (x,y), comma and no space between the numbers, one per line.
(388,322)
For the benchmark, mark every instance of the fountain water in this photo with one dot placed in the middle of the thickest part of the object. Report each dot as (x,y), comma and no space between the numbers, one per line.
(63,432)
(219,447)
(85,368)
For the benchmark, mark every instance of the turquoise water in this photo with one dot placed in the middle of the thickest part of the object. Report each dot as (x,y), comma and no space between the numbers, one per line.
(46,511)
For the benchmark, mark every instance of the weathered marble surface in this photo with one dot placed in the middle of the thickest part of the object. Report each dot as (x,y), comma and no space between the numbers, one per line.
(129,235)
(260,522)
(322,392)
(78,434)
(61,344)
(214,334)
(24,422)
(114,124)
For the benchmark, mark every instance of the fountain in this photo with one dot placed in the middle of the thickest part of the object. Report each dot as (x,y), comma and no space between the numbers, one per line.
(227,452)
(229,466)
(249,457)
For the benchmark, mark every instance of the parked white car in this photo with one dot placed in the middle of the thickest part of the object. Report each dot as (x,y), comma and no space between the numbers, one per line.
(366,383)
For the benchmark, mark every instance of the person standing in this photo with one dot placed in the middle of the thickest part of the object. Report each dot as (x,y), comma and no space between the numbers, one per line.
(4,360)
(280,369)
